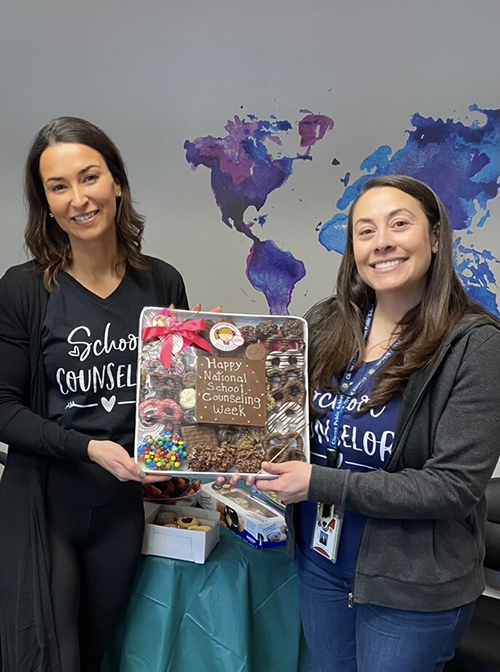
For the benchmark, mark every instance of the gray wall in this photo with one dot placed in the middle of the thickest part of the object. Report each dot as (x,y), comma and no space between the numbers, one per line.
(156,73)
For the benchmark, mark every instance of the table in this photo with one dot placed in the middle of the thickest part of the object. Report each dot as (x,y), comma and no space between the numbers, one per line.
(239,612)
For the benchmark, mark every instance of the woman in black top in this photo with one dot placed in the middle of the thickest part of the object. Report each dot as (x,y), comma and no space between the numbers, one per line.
(72,521)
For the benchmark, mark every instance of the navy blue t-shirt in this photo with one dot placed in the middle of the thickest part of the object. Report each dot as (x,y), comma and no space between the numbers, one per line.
(365,443)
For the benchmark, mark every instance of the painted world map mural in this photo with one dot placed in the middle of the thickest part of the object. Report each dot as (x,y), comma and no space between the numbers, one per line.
(459,161)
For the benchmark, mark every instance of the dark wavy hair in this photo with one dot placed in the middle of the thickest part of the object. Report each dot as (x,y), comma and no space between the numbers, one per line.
(46,241)
(336,324)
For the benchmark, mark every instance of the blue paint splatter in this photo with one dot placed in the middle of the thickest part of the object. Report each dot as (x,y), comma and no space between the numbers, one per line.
(244,174)
(476,274)
(333,233)
(483,219)
(274,272)
(461,163)
(345,179)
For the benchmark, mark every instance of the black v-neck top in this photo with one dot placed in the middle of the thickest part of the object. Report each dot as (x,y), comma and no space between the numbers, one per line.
(26,615)
(89,347)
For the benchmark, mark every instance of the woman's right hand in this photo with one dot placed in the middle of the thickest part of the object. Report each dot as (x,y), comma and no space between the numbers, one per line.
(115,459)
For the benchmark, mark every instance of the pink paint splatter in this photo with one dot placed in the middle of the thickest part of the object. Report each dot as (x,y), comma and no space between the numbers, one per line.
(312,128)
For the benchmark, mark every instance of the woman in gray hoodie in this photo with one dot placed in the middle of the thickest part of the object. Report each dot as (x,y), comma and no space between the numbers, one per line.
(404,374)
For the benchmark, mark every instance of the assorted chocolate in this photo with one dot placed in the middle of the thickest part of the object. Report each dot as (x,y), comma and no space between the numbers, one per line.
(220,394)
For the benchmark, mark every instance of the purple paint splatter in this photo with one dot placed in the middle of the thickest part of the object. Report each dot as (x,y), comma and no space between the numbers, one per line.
(312,128)
(243,174)
(274,272)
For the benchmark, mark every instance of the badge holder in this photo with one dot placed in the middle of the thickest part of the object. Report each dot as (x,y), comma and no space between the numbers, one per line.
(328,525)
(327,529)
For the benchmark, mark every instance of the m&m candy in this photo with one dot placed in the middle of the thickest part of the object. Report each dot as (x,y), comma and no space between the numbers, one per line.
(166,452)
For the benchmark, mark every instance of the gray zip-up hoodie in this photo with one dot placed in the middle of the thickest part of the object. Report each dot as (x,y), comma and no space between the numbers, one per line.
(423,544)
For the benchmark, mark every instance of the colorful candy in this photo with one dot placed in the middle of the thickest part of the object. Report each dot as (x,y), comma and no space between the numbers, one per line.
(166,452)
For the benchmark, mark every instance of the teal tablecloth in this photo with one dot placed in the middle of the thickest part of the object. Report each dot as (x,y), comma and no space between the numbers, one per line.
(239,612)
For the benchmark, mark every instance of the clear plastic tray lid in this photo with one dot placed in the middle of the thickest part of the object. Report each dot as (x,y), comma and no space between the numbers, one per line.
(220,394)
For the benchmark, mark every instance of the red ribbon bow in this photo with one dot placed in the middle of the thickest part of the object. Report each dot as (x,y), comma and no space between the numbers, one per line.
(188,330)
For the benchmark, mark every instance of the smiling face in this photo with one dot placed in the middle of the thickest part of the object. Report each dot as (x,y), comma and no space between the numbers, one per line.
(392,242)
(80,190)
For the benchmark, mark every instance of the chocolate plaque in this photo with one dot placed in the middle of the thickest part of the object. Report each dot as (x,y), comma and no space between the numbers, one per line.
(231,391)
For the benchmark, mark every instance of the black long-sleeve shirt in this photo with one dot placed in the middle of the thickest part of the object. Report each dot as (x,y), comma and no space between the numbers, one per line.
(27,637)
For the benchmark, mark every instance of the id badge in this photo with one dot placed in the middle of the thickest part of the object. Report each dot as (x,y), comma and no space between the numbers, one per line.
(327,529)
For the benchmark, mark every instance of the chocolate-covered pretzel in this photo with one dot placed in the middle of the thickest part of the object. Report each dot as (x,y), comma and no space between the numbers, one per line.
(276,378)
(278,343)
(281,359)
(294,390)
(250,436)
(293,372)
(288,417)
(277,444)
(189,379)
(288,455)
(165,385)
(188,417)
(288,440)
(270,400)
(226,434)
(161,410)
(284,387)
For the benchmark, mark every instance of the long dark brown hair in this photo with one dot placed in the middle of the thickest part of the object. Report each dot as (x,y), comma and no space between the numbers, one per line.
(336,324)
(46,241)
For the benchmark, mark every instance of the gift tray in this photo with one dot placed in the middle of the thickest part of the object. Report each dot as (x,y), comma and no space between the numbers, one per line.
(220,394)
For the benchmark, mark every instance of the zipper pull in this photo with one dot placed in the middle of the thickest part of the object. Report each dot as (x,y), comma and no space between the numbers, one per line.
(350,601)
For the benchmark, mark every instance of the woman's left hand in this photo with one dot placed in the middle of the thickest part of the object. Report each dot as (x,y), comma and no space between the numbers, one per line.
(155,478)
(292,484)
(197,308)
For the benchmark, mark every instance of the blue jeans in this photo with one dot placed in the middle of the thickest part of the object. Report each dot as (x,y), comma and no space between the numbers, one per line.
(368,638)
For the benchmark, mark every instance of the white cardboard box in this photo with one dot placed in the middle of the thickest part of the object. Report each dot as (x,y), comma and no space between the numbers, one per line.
(178,544)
